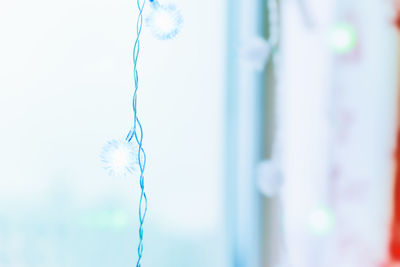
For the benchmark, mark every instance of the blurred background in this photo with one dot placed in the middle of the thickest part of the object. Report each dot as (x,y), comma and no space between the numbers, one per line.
(270,128)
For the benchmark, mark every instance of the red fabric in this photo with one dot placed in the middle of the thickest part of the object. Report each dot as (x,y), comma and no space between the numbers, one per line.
(394,242)
(397,20)
(394,245)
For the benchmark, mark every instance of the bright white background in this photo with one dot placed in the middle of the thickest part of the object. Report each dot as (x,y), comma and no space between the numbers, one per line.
(66,87)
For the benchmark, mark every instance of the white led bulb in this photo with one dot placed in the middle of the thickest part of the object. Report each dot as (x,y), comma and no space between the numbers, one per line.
(119,157)
(165,21)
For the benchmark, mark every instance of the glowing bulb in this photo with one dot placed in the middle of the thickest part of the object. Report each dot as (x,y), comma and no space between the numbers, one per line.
(119,157)
(257,52)
(343,38)
(165,21)
(270,178)
(321,221)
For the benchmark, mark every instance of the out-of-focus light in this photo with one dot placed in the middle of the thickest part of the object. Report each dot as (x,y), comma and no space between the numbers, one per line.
(165,21)
(321,221)
(119,157)
(343,38)
(107,219)
(270,178)
(120,219)
(256,53)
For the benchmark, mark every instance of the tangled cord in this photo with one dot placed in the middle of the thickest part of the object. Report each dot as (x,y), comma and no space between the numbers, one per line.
(136,132)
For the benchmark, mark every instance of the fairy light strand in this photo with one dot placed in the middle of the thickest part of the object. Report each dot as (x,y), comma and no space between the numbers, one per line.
(136,133)
(127,156)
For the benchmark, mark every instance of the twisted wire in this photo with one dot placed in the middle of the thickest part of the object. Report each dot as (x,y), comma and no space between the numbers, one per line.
(136,133)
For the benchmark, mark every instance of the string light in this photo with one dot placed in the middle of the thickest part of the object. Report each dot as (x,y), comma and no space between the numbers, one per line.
(124,156)
(121,157)
(343,38)
(165,21)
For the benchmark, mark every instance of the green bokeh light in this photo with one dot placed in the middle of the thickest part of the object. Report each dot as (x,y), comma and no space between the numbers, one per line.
(343,38)
(321,221)
(106,219)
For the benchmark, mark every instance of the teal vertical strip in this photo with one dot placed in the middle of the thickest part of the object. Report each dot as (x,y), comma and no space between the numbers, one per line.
(231,130)
(245,19)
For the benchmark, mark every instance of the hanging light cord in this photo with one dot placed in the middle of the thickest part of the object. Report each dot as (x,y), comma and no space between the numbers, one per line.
(136,132)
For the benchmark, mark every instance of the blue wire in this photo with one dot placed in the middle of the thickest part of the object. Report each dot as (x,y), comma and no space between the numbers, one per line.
(136,132)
